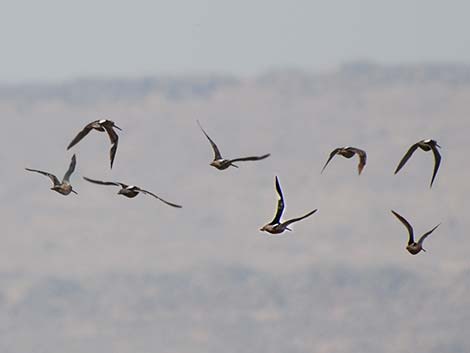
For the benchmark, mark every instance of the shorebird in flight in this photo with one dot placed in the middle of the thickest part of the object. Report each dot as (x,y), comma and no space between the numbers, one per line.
(63,187)
(348,152)
(413,247)
(130,191)
(425,145)
(100,125)
(276,226)
(222,163)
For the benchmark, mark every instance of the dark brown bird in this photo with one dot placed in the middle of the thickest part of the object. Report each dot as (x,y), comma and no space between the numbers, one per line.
(276,226)
(63,187)
(130,191)
(222,163)
(100,125)
(425,145)
(413,247)
(348,152)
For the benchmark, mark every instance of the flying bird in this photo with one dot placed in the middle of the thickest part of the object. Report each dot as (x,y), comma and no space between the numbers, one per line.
(425,145)
(63,187)
(348,152)
(222,163)
(130,191)
(413,247)
(276,226)
(100,125)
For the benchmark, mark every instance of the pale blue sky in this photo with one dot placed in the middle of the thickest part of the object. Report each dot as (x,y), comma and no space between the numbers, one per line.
(54,40)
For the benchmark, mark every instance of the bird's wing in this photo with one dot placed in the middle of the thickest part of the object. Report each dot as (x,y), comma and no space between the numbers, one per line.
(54,179)
(81,135)
(114,138)
(280,204)
(407,225)
(437,162)
(112,153)
(362,158)
(159,198)
(406,157)
(332,154)
(217,154)
(286,223)
(424,236)
(99,182)
(254,158)
(69,172)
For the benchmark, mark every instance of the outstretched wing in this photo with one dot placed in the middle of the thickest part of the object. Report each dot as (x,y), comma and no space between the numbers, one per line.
(81,135)
(280,204)
(217,154)
(362,158)
(437,162)
(114,138)
(286,223)
(255,158)
(159,198)
(54,179)
(332,154)
(99,182)
(69,172)
(424,236)
(407,225)
(406,157)
(112,153)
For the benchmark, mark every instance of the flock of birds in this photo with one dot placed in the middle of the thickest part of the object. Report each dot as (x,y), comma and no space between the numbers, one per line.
(275,226)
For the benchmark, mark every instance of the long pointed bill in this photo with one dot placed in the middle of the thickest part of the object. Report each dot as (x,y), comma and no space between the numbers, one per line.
(117,127)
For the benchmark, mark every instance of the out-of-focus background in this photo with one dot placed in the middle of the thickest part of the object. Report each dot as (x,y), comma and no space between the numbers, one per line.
(99,272)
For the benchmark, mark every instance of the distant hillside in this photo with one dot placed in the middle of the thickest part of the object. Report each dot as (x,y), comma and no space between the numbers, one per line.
(235,309)
(180,87)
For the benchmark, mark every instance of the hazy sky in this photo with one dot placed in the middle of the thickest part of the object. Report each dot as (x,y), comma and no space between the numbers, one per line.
(52,39)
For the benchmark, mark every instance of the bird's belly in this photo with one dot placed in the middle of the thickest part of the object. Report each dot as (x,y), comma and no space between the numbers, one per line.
(64,191)
(130,194)
(221,164)
(277,229)
(413,250)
